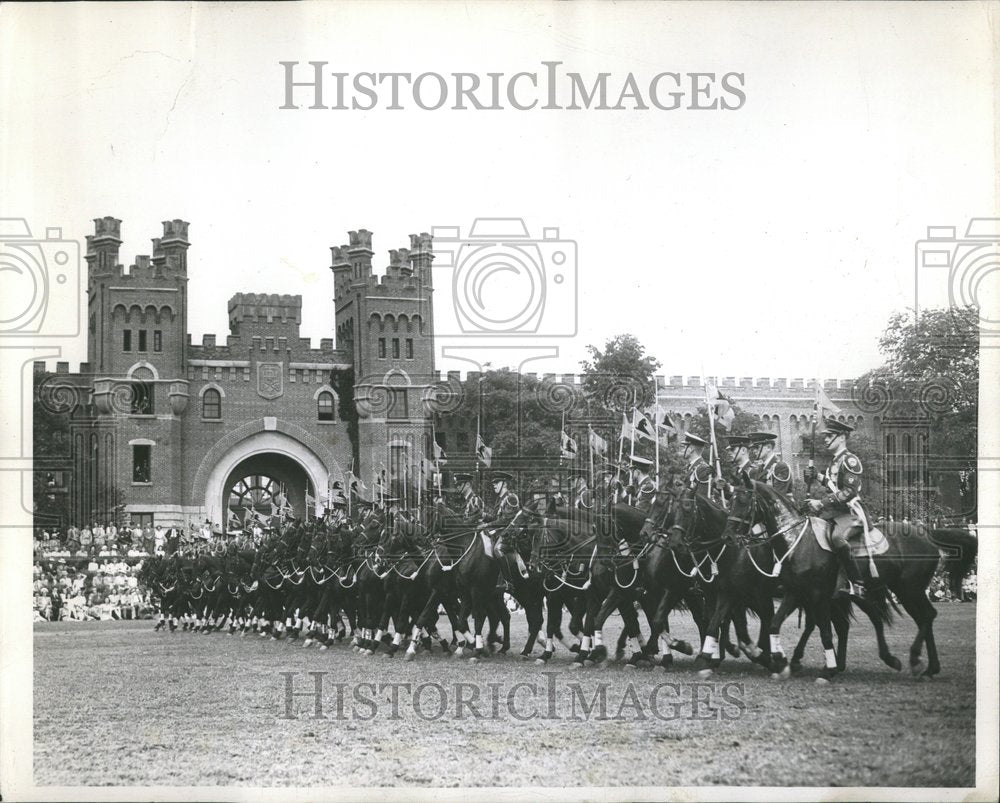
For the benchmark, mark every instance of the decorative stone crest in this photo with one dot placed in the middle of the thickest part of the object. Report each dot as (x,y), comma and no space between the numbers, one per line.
(270,379)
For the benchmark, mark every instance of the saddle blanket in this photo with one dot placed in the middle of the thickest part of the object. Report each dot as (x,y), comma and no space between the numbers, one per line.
(876,540)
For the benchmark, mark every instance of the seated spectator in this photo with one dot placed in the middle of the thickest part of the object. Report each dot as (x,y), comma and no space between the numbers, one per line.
(98,532)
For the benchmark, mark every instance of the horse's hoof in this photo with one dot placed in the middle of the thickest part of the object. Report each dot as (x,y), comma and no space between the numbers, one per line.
(778,663)
(733,650)
(630,666)
(599,654)
(324,647)
(893,662)
(544,657)
(707,672)
(575,648)
(821,681)
(682,647)
(916,667)
(474,659)
(573,665)
(409,656)
(307,642)
(525,656)
(796,667)
(785,673)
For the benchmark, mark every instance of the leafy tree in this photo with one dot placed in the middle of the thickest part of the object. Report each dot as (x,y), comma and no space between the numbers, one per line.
(620,376)
(931,375)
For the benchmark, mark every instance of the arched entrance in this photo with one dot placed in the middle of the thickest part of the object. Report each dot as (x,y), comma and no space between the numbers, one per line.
(264,483)
(271,455)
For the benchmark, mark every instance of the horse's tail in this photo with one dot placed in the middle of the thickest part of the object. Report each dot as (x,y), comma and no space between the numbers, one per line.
(959,548)
(878,606)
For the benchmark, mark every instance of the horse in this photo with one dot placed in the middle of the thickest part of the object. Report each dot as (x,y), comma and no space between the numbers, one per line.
(809,574)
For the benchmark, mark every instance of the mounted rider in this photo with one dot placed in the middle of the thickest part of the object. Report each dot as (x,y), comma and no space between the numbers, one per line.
(738,447)
(473,506)
(506,503)
(699,472)
(842,503)
(767,463)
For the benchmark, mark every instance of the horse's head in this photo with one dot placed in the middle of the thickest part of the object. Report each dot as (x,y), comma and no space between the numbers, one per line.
(758,511)
(660,510)
(684,519)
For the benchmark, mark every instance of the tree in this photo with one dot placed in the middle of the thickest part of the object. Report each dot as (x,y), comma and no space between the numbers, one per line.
(518,419)
(620,376)
(930,382)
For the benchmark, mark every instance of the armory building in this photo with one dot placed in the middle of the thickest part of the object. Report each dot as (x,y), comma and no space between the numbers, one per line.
(166,430)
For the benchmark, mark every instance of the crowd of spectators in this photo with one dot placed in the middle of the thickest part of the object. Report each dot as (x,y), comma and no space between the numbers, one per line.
(89,572)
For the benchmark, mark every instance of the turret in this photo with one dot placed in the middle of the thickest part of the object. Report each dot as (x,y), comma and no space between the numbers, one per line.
(102,247)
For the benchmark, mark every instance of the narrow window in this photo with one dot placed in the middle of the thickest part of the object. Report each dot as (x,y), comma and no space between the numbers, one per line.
(324,405)
(211,404)
(395,348)
(157,340)
(141,459)
(381,348)
(409,348)
(142,340)
(126,339)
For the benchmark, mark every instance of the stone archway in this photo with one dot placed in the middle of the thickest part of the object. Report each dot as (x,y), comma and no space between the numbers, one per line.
(258,446)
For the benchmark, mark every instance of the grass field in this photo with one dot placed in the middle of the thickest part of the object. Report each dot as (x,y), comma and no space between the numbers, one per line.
(117,704)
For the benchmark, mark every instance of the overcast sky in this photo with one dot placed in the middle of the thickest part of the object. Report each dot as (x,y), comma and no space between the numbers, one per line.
(774,240)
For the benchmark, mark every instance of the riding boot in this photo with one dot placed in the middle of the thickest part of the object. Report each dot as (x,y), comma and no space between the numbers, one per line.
(850,567)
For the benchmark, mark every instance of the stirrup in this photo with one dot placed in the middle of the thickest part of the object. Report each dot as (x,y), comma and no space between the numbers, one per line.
(856,588)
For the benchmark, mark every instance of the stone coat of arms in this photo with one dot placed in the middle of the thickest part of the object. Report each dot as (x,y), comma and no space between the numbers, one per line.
(270,379)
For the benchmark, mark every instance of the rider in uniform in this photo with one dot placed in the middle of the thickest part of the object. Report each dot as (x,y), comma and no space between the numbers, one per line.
(767,463)
(472,508)
(739,455)
(842,481)
(506,504)
(699,474)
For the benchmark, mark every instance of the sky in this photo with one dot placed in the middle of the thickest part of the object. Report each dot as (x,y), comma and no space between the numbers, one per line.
(772,240)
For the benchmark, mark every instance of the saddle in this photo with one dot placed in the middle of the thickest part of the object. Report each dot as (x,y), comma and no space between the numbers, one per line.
(823,530)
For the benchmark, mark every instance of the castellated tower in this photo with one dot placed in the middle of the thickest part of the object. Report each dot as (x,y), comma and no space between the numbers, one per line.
(138,316)
(385,323)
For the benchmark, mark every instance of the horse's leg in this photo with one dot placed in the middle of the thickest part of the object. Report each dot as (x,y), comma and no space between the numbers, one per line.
(779,664)
(553,619)
(800,648)
(532,601)
(923,613)
(823,622)
(710,656)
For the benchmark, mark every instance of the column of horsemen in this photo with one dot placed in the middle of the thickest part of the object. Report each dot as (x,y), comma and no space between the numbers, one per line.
(577,547)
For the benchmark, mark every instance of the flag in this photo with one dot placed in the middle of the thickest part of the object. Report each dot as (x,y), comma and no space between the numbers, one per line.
(628,431)
(233,519)
(568,450)
(484,454)
(721,407)
(823,402)
(597,443)
(643,427)
(310,503)
(663,420)
(439,456)
(355,485)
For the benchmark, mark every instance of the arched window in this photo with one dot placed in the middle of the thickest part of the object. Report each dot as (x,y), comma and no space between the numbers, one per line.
(324,406)
(211,404)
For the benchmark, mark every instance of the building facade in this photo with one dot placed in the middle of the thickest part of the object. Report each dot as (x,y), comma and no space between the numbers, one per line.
(158,428)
